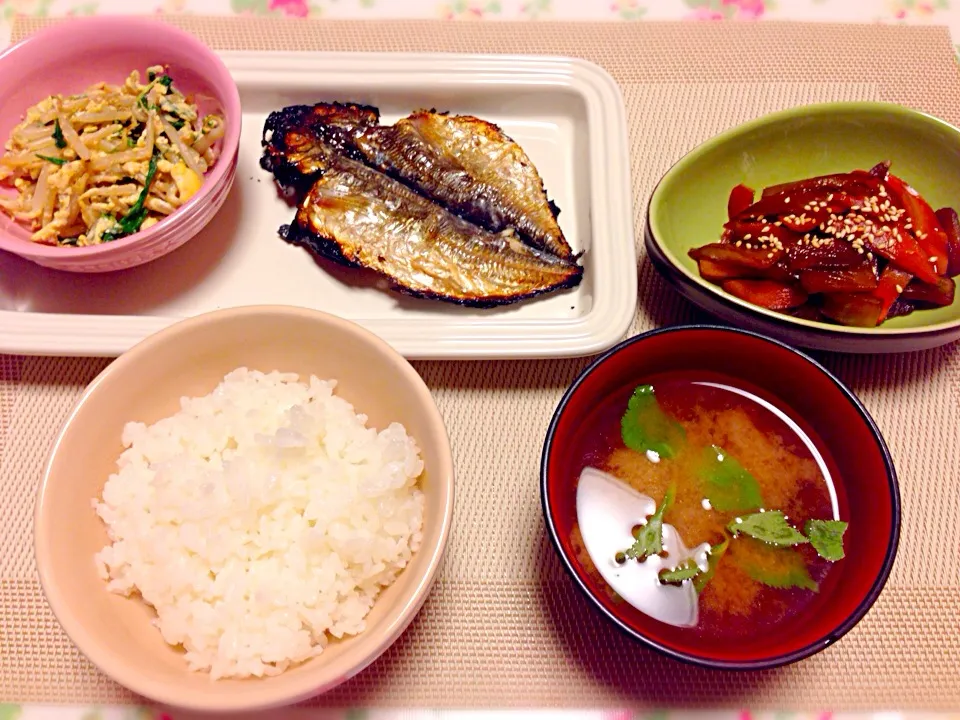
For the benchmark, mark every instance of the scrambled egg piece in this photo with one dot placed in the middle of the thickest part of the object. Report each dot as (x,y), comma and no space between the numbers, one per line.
(187,181)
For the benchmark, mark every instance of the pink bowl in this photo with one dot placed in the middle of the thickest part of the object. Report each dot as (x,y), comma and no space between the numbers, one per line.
(71,56)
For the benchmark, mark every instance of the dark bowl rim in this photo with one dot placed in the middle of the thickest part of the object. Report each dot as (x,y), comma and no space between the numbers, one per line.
(764,663)
(818,330)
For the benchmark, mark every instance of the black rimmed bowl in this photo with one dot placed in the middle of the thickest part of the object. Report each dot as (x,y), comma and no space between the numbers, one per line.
(807,393)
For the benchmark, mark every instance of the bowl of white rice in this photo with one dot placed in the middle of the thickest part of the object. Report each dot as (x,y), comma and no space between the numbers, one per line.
(246,509)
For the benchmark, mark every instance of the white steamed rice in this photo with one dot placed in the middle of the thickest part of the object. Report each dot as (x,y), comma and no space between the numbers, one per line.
(260,520)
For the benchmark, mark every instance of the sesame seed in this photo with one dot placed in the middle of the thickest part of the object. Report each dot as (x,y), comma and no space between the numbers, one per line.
(765,228)
(822,204)
(778,223)
(829,197)
(786,199)
(747,236)
(869,256)
(899,289)
(739,243)
(770,255)
(933,258)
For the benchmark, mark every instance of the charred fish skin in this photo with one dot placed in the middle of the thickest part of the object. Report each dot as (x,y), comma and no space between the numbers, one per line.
(358,216)
(295,136)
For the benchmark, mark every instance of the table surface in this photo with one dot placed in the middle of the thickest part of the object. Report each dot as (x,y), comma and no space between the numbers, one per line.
(940,12)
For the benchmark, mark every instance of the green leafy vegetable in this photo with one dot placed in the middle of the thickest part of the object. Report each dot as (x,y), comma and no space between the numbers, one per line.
(58,138)
(771,527)
(177,123)
(151,76)
(826,536)
(165,80)
(793,574)
(727,484)
(713,559)
(686,570)
(55,161)
(645,426)
(131,222)
(650,536)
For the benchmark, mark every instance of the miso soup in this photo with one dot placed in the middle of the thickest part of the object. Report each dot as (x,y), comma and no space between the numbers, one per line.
(705,506)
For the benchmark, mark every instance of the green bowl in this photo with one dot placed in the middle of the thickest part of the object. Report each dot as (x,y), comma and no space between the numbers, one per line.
(689,206)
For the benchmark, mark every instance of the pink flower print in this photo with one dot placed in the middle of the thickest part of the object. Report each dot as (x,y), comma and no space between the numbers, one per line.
(290,8)
(705,13)
(747,9)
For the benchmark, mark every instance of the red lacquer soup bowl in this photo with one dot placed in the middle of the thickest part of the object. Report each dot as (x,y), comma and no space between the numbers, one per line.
(837,426)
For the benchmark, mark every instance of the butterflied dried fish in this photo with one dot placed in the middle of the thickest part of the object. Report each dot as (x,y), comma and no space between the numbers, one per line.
(466,164)
(358,216)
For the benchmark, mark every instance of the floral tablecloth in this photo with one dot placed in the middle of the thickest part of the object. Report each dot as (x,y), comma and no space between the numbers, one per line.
(941,12)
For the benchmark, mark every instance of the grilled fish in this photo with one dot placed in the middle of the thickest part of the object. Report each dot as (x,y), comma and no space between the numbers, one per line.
(358,216)
(466,164)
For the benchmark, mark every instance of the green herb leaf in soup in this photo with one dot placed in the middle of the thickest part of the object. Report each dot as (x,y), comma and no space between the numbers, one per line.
(647,429)
(826,536)
(687,570)
(713,559)
(792,574)
(770,527)
(650,536)
(727,484)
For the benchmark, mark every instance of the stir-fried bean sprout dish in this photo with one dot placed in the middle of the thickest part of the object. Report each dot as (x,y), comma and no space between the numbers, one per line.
(113,160)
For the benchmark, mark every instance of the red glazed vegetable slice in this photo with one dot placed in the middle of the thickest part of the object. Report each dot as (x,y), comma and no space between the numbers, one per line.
(786,205)
(741,197)
(827,255)
(899,247)
(881,169)
(854,309)
(925,226)
(835,181)
(890,288)
(768,294)
(951,227)
(759,232)
(807,311)
(719,271)
(900,308)
(759,259)
(940,294)
(859,279)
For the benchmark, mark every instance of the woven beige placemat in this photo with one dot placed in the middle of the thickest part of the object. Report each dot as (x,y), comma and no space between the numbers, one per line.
(504,625)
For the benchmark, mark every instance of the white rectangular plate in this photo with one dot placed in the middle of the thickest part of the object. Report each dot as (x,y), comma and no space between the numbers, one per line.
(567,114)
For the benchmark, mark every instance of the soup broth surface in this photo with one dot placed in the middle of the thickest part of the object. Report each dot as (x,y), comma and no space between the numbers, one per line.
(730,454)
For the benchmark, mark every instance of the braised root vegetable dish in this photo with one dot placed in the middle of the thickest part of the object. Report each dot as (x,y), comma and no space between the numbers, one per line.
(853,249)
